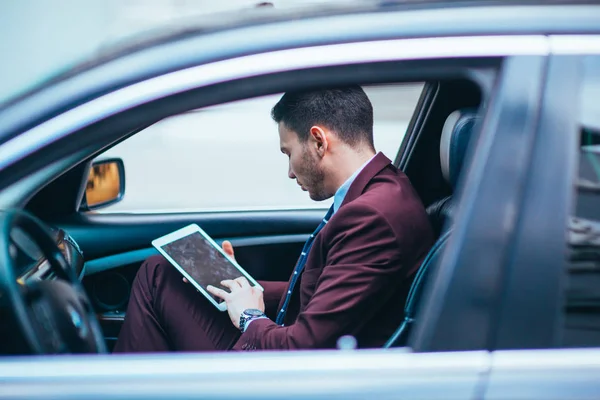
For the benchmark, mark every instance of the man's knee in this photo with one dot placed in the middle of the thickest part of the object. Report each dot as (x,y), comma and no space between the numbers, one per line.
(152,269)
(155,262)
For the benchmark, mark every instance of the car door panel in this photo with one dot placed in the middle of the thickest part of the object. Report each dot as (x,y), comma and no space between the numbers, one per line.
(108,280)
(249,250)
(105,235)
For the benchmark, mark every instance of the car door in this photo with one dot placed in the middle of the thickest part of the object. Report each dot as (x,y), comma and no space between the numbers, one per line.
(454,303)
(549,327)
(341,374)
(267,239)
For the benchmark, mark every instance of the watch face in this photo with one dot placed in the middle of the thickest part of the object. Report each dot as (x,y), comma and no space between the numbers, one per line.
(253,312)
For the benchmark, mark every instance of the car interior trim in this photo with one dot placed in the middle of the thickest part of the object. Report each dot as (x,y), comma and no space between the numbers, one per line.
(115,261)
(149,211)
(137,256)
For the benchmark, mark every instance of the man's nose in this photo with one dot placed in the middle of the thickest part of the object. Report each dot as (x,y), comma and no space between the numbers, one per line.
(291,174)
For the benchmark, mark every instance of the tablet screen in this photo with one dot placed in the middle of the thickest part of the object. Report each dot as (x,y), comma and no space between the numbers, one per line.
(203,262)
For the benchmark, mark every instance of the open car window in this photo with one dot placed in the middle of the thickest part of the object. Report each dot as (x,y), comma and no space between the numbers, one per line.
(227,157)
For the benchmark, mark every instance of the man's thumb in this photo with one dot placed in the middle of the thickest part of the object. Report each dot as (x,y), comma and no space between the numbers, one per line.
(228,248)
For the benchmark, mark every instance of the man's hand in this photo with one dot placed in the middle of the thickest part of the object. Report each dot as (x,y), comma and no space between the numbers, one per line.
(242,296)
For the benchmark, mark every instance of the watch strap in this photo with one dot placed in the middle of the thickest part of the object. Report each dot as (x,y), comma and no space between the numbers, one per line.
(249,320)
(246,318)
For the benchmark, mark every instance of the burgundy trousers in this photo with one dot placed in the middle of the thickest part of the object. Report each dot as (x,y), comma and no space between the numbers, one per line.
(167,314)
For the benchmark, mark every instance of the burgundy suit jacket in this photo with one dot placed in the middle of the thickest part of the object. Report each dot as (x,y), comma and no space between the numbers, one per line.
(358,271)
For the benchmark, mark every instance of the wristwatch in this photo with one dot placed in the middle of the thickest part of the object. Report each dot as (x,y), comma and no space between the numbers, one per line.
(249,315)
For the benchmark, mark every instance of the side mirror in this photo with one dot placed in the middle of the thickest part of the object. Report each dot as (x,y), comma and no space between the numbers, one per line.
(105,184)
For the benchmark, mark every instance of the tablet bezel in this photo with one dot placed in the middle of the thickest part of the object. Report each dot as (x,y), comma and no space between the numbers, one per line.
(186,231)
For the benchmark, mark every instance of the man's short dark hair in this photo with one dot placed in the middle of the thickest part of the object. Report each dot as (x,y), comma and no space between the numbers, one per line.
(347,111)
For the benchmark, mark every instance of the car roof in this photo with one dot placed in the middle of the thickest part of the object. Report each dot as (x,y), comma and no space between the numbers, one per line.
(212,23)
(263,18)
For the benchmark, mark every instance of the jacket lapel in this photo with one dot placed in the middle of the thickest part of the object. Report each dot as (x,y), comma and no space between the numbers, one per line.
(378,163)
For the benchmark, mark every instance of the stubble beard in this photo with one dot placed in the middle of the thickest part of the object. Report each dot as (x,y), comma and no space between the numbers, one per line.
(314,178)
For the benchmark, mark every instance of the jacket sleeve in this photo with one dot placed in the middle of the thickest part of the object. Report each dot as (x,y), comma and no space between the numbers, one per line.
(363,267)
(273,292)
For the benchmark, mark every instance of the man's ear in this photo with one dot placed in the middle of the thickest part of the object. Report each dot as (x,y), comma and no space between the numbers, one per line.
(319,140)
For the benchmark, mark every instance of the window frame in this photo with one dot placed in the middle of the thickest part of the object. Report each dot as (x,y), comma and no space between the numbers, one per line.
(246,68)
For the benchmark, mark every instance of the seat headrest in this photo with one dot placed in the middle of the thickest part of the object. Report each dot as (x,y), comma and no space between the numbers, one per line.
(454,142)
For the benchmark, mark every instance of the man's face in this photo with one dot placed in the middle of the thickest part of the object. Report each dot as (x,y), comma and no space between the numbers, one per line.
(304,164)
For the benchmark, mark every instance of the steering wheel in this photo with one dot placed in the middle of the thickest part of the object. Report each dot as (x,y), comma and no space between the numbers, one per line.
(54,316)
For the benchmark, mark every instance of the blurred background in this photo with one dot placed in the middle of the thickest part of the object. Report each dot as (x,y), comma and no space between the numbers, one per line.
(219,158)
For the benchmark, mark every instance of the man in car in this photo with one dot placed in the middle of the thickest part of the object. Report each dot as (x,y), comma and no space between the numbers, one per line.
(354,273)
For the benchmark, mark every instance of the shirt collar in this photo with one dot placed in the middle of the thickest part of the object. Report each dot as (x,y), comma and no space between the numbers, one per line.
(340,194)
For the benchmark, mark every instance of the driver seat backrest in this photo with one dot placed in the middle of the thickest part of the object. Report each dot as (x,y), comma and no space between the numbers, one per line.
(453,145)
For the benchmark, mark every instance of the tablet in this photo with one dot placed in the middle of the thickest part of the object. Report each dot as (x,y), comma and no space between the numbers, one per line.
(202,261)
